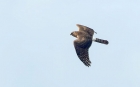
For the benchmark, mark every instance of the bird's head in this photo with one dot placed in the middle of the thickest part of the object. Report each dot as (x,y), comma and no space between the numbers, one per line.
(74,34)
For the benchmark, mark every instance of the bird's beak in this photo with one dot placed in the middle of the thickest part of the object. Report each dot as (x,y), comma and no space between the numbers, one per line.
(71,33)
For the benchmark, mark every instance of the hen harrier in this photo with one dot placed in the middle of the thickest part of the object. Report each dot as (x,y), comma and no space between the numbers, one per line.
(83,42)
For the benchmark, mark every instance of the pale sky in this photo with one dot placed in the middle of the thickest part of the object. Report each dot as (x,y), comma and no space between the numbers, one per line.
(36,49)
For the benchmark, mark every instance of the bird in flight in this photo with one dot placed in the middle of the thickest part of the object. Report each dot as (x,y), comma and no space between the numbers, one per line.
(83,42)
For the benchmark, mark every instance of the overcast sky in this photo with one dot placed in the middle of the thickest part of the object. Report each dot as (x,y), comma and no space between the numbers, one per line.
(36,49)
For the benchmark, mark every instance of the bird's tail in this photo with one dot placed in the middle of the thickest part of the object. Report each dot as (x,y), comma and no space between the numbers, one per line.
(100,41)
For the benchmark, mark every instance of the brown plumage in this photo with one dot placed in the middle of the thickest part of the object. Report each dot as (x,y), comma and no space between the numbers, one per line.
(83,42)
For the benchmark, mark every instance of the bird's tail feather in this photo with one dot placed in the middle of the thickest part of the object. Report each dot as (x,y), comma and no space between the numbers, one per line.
(100,41)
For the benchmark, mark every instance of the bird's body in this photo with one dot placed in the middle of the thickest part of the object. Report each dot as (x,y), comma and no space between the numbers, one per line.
(83,42)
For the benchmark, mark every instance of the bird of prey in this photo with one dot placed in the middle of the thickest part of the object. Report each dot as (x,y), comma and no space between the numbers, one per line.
(83,42)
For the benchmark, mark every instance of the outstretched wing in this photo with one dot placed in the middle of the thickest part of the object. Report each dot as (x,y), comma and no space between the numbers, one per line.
(86,29)
(82,50)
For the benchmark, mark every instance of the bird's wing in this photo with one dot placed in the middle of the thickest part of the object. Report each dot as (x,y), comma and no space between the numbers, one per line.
(86,29)
(82,51)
